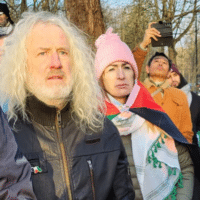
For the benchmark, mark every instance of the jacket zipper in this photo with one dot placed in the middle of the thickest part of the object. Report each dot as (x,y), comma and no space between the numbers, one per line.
(91,177)
(64,156)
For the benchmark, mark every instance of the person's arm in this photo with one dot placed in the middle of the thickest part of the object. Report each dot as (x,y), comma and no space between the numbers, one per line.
(187,170)
(139,56)
(15,171)
(141,50)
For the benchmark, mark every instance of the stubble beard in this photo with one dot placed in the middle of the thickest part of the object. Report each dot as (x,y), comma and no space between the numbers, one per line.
(3,23)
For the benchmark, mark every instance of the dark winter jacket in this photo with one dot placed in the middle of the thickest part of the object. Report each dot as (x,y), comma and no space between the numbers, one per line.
(15,171)
(75,165)
(194,103)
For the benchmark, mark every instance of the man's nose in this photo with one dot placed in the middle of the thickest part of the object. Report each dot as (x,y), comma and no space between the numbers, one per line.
(160,62)
(55,60)
(173,79)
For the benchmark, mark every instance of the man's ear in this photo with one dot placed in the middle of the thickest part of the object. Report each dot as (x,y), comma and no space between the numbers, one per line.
(147,69)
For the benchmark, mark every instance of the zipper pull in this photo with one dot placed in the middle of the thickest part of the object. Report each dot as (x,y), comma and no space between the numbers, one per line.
(59,118)
(90,164)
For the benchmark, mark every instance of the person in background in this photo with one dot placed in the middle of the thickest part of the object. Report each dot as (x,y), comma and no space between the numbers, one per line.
(6,24)
(173,101)
(15,171)
(141,50)
(177,80)
(6,28)
(160,163)
(53,108)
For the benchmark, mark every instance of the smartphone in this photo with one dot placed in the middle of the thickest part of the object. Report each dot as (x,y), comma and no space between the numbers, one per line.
(165,30)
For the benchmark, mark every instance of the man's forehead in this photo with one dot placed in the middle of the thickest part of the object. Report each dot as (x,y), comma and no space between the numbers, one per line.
(174,73)
(45,35)
(161,57)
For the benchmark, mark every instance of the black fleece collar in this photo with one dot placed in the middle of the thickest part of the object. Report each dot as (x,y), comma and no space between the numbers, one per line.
(44,114)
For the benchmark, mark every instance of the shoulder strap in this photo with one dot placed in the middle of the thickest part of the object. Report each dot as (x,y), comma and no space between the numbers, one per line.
(157,91)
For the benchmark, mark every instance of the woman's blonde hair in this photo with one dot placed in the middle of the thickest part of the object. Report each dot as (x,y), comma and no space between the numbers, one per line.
(87,101)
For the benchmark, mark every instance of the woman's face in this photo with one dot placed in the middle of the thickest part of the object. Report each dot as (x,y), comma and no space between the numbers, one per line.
(118,80)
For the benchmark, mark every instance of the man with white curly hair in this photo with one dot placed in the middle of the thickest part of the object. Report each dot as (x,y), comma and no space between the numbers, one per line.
(55,111)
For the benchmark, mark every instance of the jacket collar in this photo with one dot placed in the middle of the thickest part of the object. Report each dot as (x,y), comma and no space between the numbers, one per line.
(44,114)
(150,83)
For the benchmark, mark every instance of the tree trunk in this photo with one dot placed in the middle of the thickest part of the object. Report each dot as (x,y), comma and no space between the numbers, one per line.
(172,53)
(23,6)
(34,5)
(86,15)
(55,6)
(45,5)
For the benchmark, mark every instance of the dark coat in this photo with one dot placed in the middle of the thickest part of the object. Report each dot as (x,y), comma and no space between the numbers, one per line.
(195,112)
(15,171)
(194,108)
(95,164)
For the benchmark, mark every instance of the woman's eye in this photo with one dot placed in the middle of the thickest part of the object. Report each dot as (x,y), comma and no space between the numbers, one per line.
(111,69)
(127,67)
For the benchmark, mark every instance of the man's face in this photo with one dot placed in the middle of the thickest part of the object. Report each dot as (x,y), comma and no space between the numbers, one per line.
(48,63)
(3,19)
(174,79)
(159,67)
(118,80)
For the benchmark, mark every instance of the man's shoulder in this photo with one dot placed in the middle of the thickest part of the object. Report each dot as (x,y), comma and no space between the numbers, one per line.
(177,95)
(109,127)
(176,91)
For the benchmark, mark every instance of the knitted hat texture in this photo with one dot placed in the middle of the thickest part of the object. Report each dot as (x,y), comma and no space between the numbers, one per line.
(175,69)
(111,49)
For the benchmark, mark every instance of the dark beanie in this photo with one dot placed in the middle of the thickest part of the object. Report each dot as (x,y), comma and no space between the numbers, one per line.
(183,82)
(4,9)
(175,69)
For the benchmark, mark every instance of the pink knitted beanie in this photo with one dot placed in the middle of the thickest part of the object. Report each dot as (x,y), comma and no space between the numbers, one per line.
(111,49)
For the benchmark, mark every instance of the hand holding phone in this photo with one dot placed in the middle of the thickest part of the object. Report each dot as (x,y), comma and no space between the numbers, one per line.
(165,30)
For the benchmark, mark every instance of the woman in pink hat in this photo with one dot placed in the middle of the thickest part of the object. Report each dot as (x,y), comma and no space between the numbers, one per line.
(160,165)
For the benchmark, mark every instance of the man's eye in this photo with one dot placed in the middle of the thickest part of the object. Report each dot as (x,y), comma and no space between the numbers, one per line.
(42,53)
(63,52)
